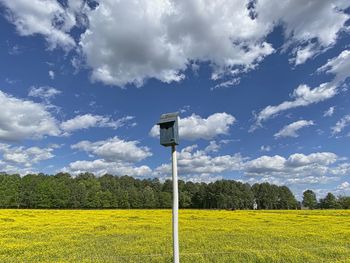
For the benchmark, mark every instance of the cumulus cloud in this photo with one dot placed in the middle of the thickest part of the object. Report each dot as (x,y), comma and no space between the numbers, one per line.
(323,158)
(265,164)
(344,186)
(23,119)
(115,149)
(193,163)
(291,130)
(342,169)
(130,41)
(343,189)
(304,21)
(25,156)
(212,147)
(311,27)
(341,124)
(88,121)
(297,165)
(315,168)
(307,180)
(159,39)
(115,156)
(100,167)
(195,127)
(22,160)
(44,17)
(174,33)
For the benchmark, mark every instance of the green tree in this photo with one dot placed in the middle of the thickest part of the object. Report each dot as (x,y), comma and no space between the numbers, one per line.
(165,200)
(266,195)
(124,200)
(60,190)
(344,202)
(309,199)
(9,191)
(28,194)
(92,188)
(108,191)
(286,199)
(149,200)
(329,202)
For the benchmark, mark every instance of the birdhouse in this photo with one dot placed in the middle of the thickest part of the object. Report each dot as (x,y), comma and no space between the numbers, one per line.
(169,129)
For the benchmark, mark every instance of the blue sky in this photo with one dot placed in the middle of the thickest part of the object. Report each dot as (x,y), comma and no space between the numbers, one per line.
(261,87)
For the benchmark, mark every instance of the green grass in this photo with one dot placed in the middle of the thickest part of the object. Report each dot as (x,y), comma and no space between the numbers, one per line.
(145,236)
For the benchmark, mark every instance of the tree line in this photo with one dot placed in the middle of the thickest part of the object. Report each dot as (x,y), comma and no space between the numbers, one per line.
(87,191)
(330,201)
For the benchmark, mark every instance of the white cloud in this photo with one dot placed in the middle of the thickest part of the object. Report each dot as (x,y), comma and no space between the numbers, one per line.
(88,121)
(44,93)
(226,84)
(161,39)
(307,180)
(304,53)
(15,169)
(23,119)
(344,186)
(338,66)
(264,148)
(20,160)
(51,74)
(193,163)
(342,189)
(25,156)
(291,130)
(175,33)
(212,147)
(158,39)
(302,96)
(185,109)
(329,112)
(195,127)
(265,164)
(296,166)
(342,169)
(323,158)
(100,167)
(341,124)
(116,156)
(310,26)
(45,17)
(115,149)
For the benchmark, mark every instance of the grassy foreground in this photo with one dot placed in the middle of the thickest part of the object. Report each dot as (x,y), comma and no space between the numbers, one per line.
(145,236)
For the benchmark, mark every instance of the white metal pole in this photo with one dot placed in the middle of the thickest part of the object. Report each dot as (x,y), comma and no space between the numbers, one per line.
(175,207)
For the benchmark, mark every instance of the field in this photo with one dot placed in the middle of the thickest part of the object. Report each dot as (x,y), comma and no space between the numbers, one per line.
(145,236)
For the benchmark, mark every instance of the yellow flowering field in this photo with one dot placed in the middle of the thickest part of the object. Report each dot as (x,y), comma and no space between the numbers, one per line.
(145,236)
